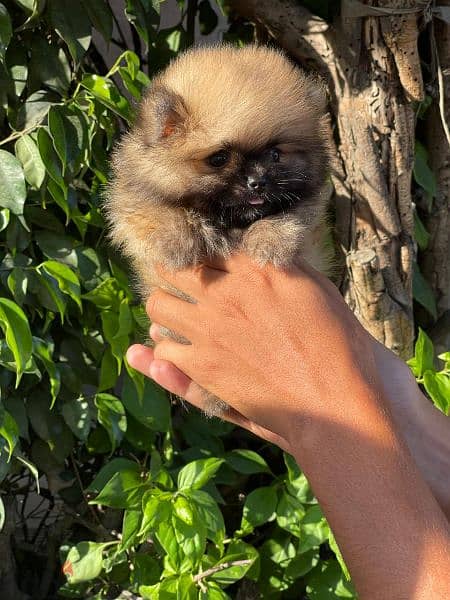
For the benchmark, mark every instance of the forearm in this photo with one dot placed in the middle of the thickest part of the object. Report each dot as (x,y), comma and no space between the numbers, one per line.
(425,429)
(377,503)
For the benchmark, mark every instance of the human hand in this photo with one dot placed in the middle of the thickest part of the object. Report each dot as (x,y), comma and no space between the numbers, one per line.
(275,345)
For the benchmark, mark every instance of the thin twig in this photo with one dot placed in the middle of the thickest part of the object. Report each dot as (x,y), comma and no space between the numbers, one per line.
(17,134)
(223,566)
(80,483)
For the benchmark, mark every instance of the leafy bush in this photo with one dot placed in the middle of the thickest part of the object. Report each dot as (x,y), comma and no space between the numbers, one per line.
(423,365)
(141,495)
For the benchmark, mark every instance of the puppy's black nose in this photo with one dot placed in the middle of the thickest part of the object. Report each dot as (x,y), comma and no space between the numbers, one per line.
(256,183)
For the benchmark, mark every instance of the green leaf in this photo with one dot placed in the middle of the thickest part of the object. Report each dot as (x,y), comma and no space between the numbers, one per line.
(144,15)
(289,513)
(34,9)
(326,582)
(247,462)
(421,235)
(124,490)
(61,248)
(238,552)
(16,328)
(130,528)
(210,514)
(33,167)
(196,474)
(302,564)
(156,507)
(107,295)
(106,92)
(146,570)
(437,386)
(183,543)
(49,66)
(31,467)
(314,529)
(110,327)
(17,283)
(44,353)
(73,26)
(48,292)
(15,406)
(8,430)
(12,183)
(100,16)
(112,467)
(151,408)
(17,65)
(259,507)
(34,110)
(423,359)
(84,561)
(335,548)
(78,416)
(5,30)
(111,415)
(4,218)
(67,280)
(423,292)
(109,371)
(422,172)
(50,158)
(213,592)
(69,131)
(49,426)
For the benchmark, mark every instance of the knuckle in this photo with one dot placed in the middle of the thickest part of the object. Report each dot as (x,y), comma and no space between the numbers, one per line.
(153,304)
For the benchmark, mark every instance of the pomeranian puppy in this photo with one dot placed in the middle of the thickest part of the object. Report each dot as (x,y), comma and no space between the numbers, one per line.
(229,151)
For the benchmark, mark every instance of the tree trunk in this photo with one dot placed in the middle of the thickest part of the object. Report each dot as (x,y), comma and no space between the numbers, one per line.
(372,67)
(436,259)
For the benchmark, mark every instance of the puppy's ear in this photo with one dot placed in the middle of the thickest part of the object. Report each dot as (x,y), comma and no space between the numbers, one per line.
(163,114)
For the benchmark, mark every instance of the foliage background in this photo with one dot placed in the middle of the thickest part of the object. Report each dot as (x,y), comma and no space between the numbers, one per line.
(143,496)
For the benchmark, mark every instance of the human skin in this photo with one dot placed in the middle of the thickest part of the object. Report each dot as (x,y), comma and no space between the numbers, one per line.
(285,352)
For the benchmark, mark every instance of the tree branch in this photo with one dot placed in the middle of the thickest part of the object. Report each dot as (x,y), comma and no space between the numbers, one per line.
(234,563)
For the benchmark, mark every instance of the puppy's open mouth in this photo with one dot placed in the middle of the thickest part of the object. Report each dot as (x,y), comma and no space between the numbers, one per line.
(255,200)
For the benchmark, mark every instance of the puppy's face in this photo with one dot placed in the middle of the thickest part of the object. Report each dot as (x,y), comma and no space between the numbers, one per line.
(234,134)
(235,186)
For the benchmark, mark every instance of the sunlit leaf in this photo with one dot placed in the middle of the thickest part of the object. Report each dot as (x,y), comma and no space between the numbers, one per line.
(12,183)
(28,154)
(8,430)
(67,280)
(84,561)
(197,473)
(106,92)
(111,415)
(17,332)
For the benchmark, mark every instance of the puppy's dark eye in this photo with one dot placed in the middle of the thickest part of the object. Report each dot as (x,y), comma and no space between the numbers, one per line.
(275,154)
(219,159)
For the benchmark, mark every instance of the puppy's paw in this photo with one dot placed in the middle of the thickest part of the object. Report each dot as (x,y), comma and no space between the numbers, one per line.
(213,406)
(177,252)
(271,244)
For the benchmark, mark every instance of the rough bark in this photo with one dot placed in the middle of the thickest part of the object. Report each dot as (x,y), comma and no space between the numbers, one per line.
(372,67)
(436,260)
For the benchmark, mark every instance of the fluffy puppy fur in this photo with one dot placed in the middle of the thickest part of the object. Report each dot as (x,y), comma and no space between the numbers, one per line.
(229,151)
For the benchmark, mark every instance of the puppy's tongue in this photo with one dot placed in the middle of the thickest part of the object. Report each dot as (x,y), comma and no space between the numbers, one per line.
(256,200)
